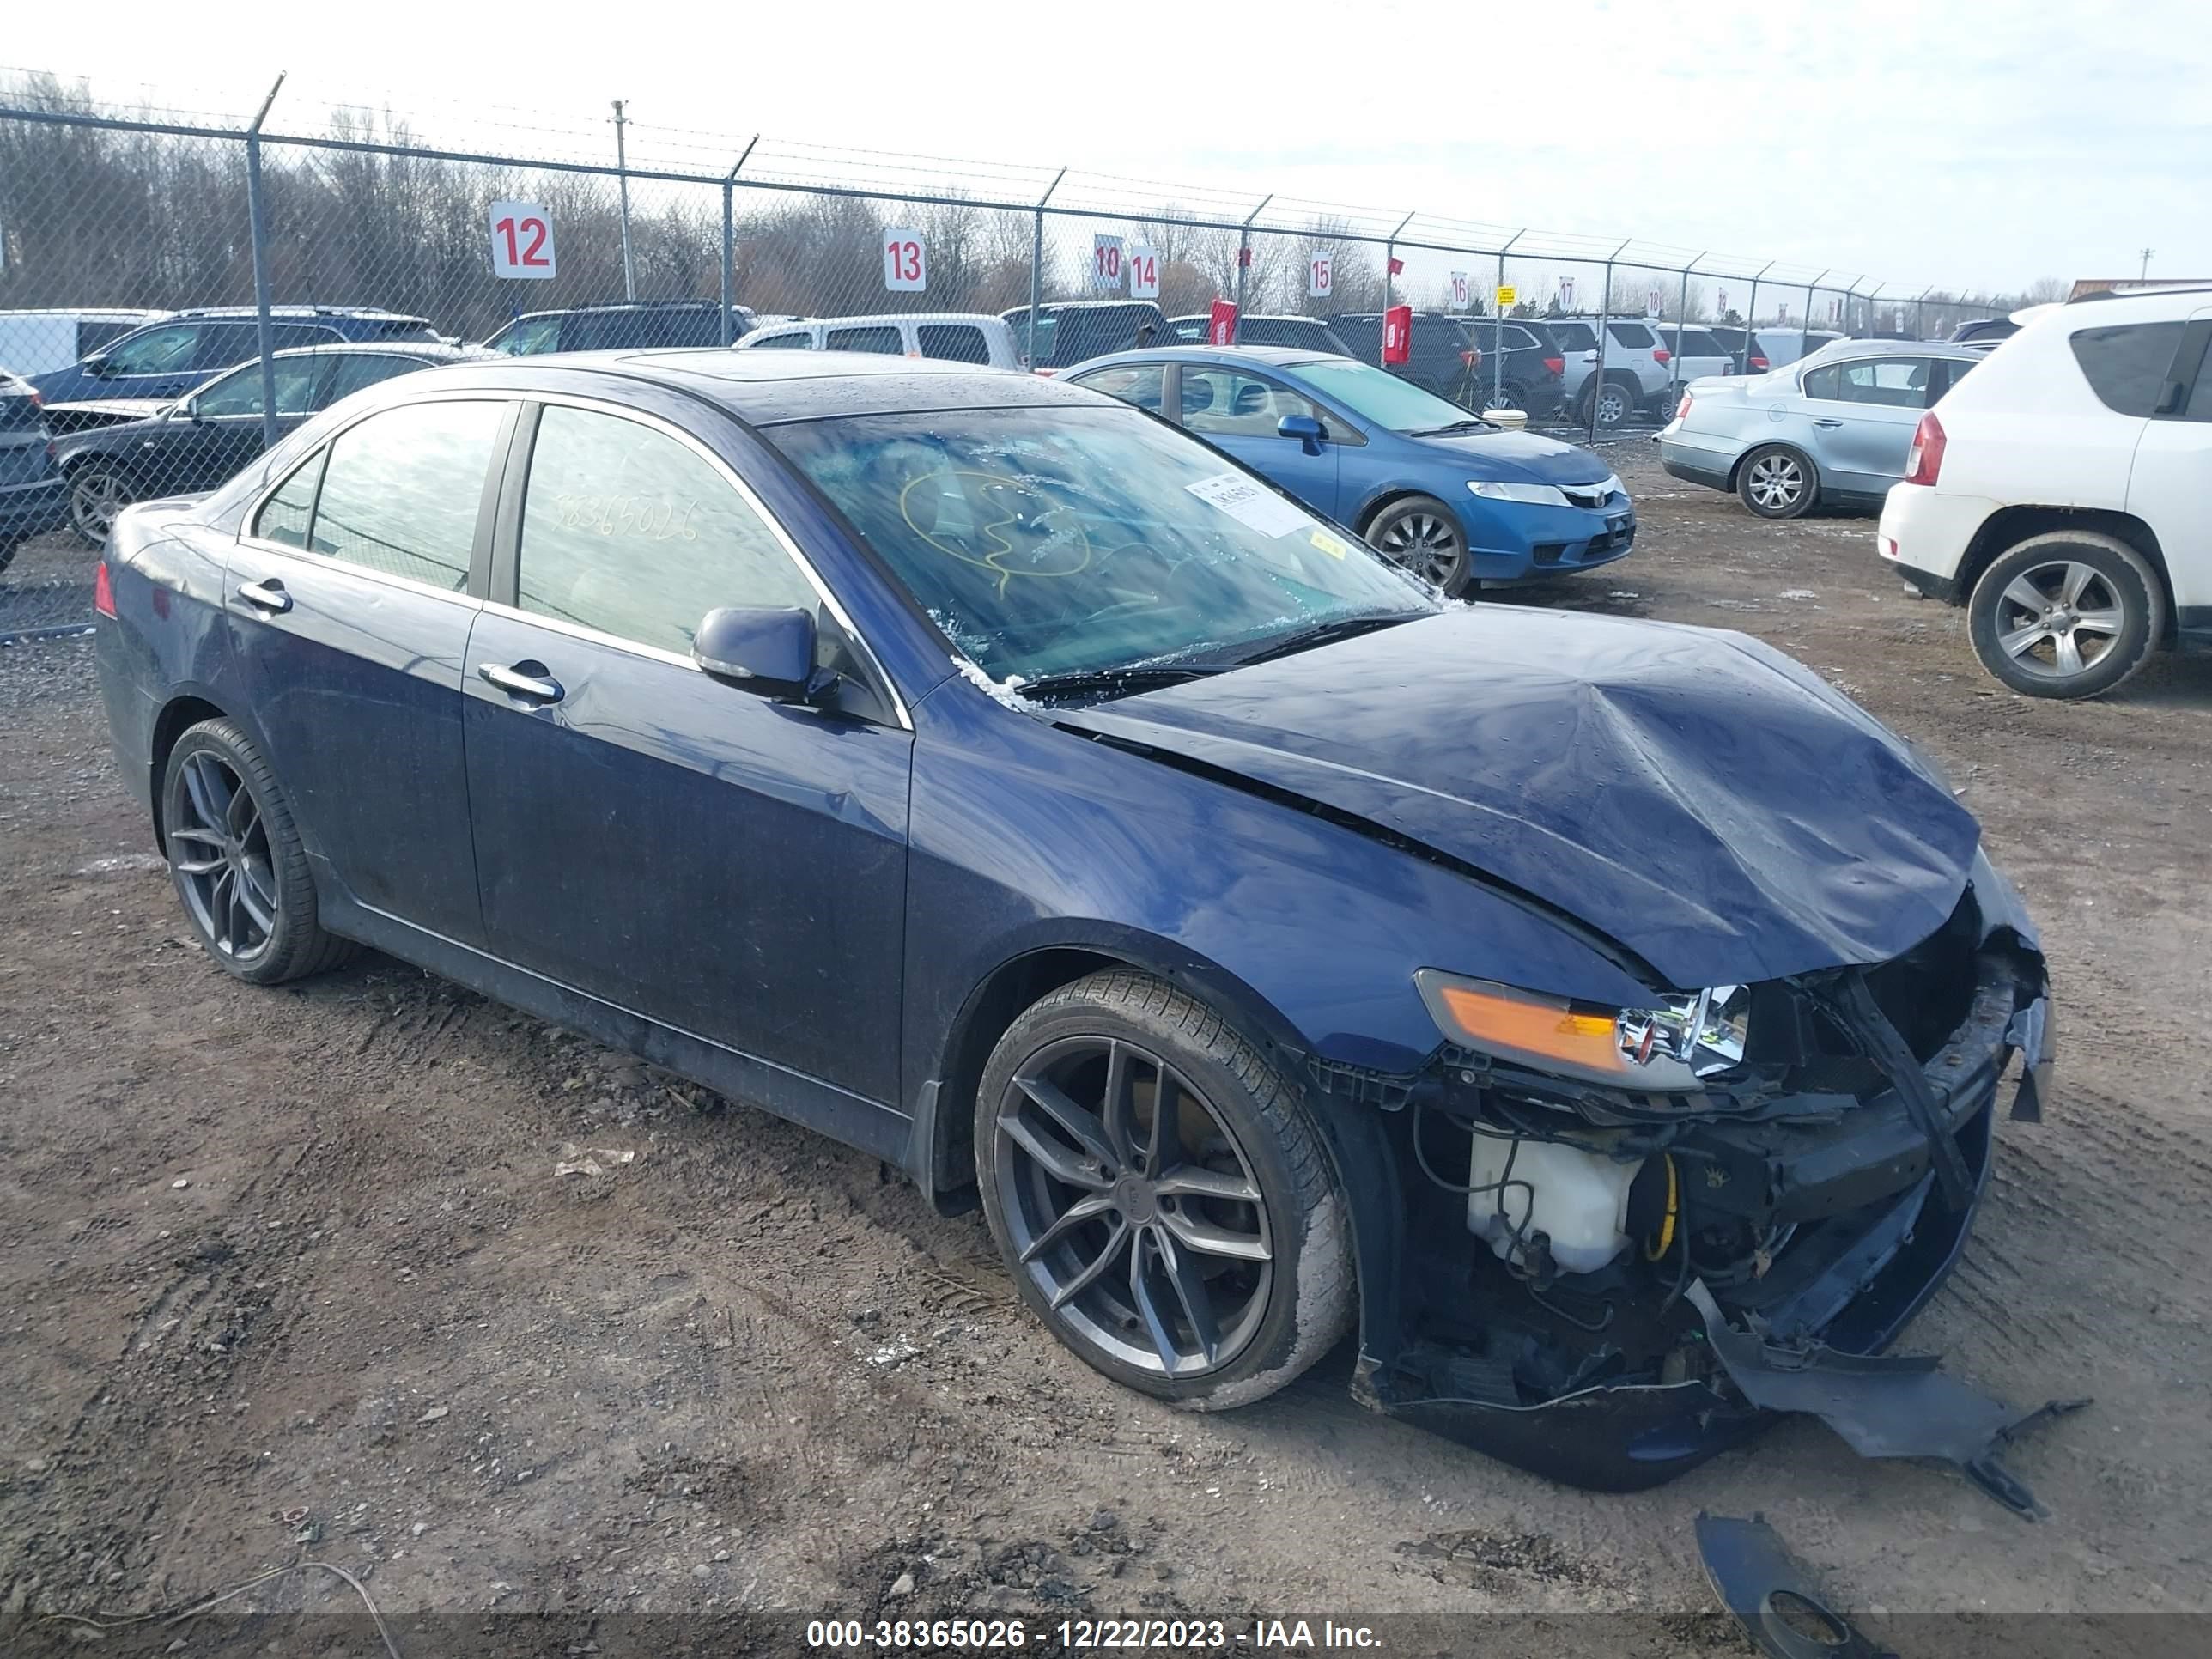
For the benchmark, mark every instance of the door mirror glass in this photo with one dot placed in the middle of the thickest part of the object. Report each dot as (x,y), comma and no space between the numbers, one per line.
(768,651)
(1305,428)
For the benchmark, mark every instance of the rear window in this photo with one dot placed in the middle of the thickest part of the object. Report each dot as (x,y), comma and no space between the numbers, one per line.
(1698,342)
(883,340)
(2127,365)
(1574,337)
(957,342)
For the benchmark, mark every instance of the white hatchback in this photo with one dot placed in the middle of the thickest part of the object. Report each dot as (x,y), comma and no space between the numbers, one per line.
(2063,494)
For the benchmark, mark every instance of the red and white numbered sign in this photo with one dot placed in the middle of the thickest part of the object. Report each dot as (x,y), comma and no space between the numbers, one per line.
(1106,264)
(1144,265)
(906,266)
(1321,275)
(1463,291)
(521,240)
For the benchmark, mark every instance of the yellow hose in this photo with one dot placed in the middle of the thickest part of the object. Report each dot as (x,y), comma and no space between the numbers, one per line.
(1654,1252)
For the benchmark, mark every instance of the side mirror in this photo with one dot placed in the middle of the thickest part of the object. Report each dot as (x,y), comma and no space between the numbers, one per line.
(95,365)
(1305,428)
(768,652)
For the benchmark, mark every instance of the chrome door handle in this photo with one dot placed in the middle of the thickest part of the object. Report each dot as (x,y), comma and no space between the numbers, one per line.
(534,688)
(267,594)
(1827,423)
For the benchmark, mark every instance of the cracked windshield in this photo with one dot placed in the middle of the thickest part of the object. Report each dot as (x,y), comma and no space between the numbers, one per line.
(1095,540)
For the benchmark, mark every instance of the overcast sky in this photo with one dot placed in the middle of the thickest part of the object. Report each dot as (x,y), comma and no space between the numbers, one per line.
(1962,144)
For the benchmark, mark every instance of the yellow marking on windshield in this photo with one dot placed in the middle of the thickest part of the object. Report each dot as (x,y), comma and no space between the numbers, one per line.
(1005,493)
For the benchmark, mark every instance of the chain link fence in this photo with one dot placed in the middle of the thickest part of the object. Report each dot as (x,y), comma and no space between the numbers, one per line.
(180,288)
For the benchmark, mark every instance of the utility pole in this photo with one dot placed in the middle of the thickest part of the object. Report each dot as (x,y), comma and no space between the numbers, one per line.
(621,170)
(2144,274)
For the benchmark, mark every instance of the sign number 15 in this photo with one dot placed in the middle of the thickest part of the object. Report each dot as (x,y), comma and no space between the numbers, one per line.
(521,240)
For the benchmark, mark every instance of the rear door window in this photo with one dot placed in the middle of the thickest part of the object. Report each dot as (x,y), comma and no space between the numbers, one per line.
(527,337)
(2127,365)
(401,491)
(1632,336)
(1890,382)
(957,342)
(1135,383)
(883,340)
(1574,337)
(223,344)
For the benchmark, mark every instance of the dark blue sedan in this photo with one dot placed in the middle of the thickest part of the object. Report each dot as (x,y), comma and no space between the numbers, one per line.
(1451,497)
(989,776)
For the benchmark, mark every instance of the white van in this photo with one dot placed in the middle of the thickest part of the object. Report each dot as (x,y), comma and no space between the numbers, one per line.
(33,341)
(959,337)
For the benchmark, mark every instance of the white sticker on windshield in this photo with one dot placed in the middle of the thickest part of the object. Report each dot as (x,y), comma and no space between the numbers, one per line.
(1250,503)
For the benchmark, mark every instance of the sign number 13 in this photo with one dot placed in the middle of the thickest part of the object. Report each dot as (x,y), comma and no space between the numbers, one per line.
(906,269)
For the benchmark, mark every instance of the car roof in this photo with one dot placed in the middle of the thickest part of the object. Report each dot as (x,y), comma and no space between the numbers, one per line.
(1844,351)
(765,388)
(90,314)
(601,307)
(429,351)
(289,312)
(917,317)
(1226,357)
(1255,317)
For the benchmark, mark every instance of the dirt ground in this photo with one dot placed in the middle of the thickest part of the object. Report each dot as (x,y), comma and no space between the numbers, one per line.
(294,1270)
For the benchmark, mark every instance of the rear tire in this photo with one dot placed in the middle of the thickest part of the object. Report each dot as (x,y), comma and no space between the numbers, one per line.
(1777,482)
(1614,403)
(97,493)
(237,862)
(2068,614)
(1232,1273)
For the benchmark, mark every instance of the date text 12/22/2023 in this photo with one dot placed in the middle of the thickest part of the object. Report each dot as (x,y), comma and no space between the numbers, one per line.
(1085,1635)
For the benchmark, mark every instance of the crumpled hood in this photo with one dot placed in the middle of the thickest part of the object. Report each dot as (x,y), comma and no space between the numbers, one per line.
(1689,793)
(1523,457)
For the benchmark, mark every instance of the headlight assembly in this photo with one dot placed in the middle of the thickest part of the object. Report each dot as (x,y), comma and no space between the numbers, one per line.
(1532,494)
(1670,1046)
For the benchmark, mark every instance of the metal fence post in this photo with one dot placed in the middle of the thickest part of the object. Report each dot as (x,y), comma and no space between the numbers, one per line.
(1920,312)
(730,247)
(1604,317)
(1037,270)
(621,176)
(257,224)
(1244,263)
(1389,259)
(1682,322)
(1498,324)
(1805,324)
(1751,321)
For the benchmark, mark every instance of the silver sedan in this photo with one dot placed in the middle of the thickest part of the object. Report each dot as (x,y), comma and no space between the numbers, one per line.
(1831,428)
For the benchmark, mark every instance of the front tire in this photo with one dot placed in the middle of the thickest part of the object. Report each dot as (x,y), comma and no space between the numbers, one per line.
(1777,482)
(1422,534)
(2068,614)
(1160,1195)
(237,862)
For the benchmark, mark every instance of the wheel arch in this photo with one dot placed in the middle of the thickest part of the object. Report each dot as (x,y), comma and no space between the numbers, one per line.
(178,716)
(1387,496)
(2009,526)
(944,1157)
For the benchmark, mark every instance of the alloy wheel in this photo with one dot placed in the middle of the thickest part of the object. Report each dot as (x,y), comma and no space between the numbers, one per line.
(1611,406)
(2058,619)
(219,850)
(95,498)
(1132,1207)
(1775,482)
(1425,544)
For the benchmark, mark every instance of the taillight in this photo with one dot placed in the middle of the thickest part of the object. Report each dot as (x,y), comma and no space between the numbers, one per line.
(1556,365)
(1758,363)
(1682,409)
(1924,464)
(103,591)
(1469,359)
(1660,354)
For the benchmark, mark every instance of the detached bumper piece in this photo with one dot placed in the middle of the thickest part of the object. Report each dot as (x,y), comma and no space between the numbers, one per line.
(1882,1405)
(1760,1583)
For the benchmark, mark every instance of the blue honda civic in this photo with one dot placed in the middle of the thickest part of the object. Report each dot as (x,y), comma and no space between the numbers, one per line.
(1604,1019)
(1450,496)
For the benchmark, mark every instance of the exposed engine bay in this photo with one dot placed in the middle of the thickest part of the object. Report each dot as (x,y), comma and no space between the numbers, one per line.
(1572,1249)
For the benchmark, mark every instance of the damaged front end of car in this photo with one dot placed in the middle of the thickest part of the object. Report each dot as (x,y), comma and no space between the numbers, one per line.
(1629,1237)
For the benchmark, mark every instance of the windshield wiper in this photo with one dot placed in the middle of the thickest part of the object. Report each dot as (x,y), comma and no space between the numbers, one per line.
(1135,677)
(1456,426)
(1326,633)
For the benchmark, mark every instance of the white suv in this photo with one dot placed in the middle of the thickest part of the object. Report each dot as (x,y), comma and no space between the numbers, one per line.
(2062,493)
(1635,374)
